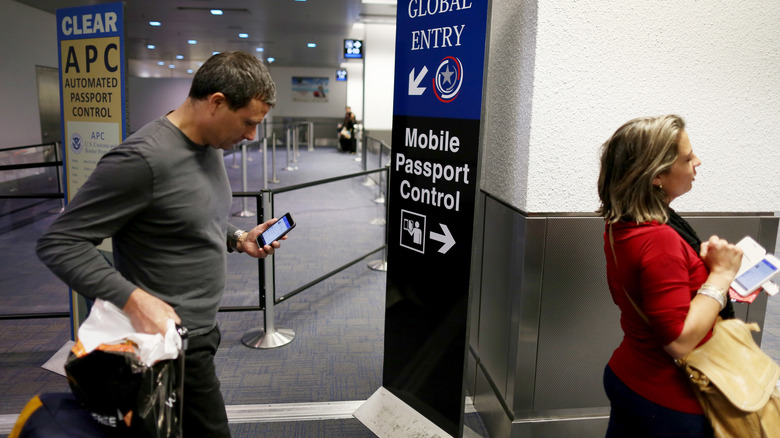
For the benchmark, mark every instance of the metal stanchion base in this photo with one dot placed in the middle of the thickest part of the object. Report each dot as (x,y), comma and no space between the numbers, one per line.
(245,213)
(273,181)
(358,159)
(369,182)
(290,168)
(257,338)
(378,221)
(378,265)
(380,200)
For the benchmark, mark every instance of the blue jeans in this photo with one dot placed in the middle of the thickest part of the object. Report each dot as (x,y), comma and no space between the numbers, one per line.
(634,416)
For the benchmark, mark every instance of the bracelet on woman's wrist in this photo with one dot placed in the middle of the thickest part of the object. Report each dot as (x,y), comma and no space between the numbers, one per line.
(714,292)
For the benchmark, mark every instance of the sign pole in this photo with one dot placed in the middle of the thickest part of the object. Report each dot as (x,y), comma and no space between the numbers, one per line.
(437,107)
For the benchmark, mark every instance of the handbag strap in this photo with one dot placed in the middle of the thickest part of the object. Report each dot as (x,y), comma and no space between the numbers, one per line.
(633,303)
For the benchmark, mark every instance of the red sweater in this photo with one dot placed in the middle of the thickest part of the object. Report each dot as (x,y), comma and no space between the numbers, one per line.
(662,273)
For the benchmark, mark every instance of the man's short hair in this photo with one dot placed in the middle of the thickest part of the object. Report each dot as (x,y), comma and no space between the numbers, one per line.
(238,75)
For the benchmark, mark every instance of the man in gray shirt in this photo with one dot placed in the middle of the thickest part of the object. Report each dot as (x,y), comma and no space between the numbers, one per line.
(163,197)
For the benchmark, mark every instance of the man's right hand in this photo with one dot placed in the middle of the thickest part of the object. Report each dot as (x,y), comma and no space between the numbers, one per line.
(149,314)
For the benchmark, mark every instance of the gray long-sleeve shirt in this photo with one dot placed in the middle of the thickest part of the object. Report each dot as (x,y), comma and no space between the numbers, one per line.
(165,202)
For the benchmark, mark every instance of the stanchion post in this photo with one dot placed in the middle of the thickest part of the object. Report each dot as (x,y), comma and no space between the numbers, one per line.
(269,336)
(295,143)
(363,151)
(265,163)
(359,143)
(289,140)
(368,181)
(57,146)
(310,126)
(245,212)
(381,265)
(381,198)
(234,165)
(274,180)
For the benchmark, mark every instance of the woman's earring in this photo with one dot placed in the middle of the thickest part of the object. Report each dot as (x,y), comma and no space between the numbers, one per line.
(661,186)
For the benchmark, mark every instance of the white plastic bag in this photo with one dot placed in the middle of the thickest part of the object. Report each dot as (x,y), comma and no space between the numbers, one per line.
(107,324)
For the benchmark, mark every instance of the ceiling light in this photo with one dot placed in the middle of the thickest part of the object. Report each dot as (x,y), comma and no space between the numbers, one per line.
(189,70)
(260,49)
(150,46)
(155,23)
(216,12)
(312,45)
(160,63)
(192,42)
(243,35)
(171,66)
(214,53)
(271,59)
(179,56)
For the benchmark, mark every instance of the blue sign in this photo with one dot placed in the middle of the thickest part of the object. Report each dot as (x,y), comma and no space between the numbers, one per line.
(353,49)
(96,21)
(440,57)
(341,75)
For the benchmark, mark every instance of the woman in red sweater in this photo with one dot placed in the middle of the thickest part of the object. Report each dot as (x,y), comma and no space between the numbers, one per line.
(669,286)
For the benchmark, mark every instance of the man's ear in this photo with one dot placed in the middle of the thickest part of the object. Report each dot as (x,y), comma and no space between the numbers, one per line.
(215,100)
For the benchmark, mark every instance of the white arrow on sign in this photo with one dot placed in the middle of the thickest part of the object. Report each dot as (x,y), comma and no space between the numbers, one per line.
(414,82)
(445,238)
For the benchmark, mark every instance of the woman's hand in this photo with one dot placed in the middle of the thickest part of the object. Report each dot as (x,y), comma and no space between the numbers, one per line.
(722,260)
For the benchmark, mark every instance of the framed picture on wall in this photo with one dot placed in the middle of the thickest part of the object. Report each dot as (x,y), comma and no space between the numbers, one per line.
(306,89)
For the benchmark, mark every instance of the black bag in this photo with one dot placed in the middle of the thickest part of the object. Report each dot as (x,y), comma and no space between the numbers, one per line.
(125,396)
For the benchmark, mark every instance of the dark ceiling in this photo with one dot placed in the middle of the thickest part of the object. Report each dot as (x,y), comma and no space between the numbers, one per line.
(281,28)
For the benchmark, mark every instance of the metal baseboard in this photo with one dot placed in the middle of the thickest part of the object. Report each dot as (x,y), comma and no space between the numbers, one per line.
(546,323)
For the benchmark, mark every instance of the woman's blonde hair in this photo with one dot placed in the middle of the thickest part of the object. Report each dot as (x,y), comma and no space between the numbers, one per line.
(631,159)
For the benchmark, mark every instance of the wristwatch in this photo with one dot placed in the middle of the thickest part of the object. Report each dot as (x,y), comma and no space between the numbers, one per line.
(234,239)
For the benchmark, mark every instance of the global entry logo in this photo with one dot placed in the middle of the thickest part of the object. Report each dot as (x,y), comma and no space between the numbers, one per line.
(448,79)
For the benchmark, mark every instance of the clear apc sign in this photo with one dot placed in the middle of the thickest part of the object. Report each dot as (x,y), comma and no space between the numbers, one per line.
(439,66)
(91,58)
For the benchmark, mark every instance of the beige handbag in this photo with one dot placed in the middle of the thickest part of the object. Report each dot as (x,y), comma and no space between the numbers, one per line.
(734,381)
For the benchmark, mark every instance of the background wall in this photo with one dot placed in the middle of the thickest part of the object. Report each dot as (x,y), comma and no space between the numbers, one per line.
(379,73)
(24,45)
(150,98)
(563,76)
(286,107)
(355,88)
